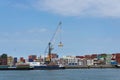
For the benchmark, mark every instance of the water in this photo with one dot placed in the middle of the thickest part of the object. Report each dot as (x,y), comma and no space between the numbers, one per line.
(67,74)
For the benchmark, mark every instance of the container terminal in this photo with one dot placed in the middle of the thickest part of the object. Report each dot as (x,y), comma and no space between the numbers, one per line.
(52,60)
(67,62)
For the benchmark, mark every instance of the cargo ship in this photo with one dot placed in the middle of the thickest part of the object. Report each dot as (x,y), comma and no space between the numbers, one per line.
(48,67)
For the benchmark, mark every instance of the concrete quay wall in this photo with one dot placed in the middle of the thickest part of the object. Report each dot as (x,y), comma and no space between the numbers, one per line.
(88,67)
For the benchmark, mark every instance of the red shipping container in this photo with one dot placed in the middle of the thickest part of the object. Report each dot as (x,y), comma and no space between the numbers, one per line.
(21,59)
(33,57)
(30,57)
(118,60)
(118,55)
(24,61)
(88,56)
(94,56)
(113,57)
(81,57)
(4,61)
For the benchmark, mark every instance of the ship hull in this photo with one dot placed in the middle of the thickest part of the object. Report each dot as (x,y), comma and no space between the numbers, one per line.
(16,68)
(53,67)
(117,66)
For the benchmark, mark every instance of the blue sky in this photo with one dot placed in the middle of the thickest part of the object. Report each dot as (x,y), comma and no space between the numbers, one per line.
(88,26)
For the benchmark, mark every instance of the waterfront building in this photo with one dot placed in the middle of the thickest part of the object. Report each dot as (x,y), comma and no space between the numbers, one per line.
(90,62)
(71,60)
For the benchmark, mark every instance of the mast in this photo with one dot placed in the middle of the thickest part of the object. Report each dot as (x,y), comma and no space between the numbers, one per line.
(49,51)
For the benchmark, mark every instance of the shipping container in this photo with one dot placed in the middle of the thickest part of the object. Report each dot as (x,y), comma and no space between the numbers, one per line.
(93,56)
(30,60)
(114,63)
(87,56)
(99,56)
(15,60)
(3,61)
(108,61)
(30,57)
(108,58)
(104,55)
(34,57)
(3,56)
(118,60)
(113,57)
(24,61)
(117,56)
(10,60)
(81,57)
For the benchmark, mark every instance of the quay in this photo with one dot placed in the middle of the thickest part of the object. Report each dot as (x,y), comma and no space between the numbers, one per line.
(90,67)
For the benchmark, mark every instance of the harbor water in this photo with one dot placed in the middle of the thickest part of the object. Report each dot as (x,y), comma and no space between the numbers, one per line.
(67,74)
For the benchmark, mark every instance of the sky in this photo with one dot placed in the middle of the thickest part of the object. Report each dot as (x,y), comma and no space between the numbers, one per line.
(88,26)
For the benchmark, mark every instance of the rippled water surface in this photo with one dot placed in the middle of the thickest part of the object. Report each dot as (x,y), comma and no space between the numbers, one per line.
(67,74)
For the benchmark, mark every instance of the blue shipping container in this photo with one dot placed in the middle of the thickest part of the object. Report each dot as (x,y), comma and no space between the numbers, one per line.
(15,60)
(30,60)
(114,63)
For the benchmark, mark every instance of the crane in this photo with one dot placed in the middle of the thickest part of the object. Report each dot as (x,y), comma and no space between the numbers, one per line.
(52,41)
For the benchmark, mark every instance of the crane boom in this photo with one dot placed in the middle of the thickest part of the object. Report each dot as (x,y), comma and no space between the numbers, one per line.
(57,30)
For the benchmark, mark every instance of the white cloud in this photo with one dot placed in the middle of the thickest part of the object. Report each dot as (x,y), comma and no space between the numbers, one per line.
(109,8)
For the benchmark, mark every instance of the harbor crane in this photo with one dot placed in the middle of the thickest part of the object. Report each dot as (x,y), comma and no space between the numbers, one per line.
(52,41)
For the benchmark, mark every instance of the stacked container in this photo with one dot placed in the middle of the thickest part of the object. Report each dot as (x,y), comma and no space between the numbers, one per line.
(15,60)
(118,58)
(54,55)
(10,60)
(108,58)
(93,56)
(32,58)
(81,57)
(3,59)
(87,56)
(103,58)
(22,60)
(113,60)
